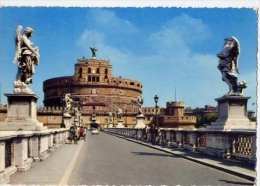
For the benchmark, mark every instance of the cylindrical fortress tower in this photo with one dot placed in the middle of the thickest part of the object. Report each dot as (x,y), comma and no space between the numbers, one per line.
(175,108)
(93,81)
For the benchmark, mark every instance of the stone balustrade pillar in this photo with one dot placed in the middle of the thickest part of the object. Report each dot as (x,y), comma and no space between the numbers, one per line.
(21,160)
(35,148)
(44,147)
(2,159)
(179,136)
(193,141)
(50,142)
(168,137)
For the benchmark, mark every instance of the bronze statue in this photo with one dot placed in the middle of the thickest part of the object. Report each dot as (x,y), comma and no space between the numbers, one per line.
(25,55)
(93,50)
(228,63)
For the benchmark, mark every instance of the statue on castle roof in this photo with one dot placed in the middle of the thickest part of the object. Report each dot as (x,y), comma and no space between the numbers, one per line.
(228,64)
(93,50)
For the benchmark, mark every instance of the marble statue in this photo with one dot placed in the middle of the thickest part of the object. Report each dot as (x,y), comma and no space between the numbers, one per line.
(26,55)
(119,113)
(93,50)
(110,117)
(140,102)
(228,64)
(68,102)
(77,112)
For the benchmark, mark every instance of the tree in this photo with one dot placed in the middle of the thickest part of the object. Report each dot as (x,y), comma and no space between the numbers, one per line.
(199,121)
(210,117)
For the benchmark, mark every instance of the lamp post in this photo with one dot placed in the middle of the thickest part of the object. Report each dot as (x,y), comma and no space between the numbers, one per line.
(62,101)
(126,118)
(156,109)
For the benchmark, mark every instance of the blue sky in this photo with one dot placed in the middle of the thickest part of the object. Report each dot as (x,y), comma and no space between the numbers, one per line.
(166,49)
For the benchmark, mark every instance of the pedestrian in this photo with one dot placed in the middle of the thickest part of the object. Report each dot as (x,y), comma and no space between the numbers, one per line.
(153,134)
(80,132)
(72,135)
(144,133)
(85,133)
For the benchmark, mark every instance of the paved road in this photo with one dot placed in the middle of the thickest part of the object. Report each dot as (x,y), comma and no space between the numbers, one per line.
(108,160)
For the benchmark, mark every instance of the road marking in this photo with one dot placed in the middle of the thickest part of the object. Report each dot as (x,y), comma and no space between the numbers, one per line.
(66,176)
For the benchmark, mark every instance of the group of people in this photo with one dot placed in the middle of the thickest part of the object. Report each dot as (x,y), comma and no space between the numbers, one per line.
(75,134)
(154,133)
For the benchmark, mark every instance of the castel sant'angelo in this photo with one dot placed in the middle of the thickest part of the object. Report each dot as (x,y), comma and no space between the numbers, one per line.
(93,84)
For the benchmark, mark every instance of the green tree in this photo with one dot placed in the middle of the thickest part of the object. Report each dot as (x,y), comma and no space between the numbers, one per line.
(199,121)
(210,117)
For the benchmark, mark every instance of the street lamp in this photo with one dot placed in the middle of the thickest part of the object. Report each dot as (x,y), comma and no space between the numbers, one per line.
(62,101)
(156,108)
(126,118)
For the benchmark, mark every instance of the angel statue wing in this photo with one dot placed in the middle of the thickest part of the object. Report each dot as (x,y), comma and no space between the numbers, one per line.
(17,36)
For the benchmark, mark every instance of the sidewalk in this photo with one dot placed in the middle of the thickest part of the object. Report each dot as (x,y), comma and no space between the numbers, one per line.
(55,170)
(237,168)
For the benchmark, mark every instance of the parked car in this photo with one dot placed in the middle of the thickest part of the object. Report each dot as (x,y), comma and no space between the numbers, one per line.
(94,131)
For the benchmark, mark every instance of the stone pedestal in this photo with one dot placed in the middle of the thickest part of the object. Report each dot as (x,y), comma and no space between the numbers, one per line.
(120,123)
(110,125)
(67,121)
(140,121)
(21,113)
(232,114)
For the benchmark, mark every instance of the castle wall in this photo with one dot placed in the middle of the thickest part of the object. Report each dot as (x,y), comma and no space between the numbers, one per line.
(93,81)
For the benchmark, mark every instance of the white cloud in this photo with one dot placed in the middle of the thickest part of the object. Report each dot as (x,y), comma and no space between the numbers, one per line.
(108,20)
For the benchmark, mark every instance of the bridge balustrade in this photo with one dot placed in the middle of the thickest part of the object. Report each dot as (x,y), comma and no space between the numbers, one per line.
(18,149)
(239,145)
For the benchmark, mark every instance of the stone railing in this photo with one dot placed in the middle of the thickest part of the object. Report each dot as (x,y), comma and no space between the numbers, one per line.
(239,145)
(18,149)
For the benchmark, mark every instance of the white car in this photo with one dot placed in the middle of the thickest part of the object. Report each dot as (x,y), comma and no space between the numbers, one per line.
(94,131)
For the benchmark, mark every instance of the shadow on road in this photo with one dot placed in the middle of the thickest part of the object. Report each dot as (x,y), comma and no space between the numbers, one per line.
(237,183)
(153,154)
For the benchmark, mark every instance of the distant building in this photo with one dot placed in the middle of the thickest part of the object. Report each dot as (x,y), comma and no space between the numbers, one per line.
(200,111)
(174,117)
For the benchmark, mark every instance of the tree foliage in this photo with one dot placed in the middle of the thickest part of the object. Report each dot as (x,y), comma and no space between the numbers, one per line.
(210,117)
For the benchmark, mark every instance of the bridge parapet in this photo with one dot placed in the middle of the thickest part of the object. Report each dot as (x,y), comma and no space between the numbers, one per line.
(18,149)
(237,145)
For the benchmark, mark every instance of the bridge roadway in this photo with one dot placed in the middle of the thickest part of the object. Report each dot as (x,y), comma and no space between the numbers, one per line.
(106,159)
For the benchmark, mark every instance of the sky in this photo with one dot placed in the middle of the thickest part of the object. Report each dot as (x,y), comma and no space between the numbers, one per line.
(171,51)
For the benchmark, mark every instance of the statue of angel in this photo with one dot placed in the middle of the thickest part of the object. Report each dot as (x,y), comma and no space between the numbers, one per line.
(93,50)
(228,64)
(119,113)
(140,102)
(25,55)
(110,117)
(68,102)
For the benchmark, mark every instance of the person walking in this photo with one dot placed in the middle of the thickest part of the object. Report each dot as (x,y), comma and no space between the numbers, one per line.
(144,133)
(72,135)
(81,131)
(85,133)
(153,134)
